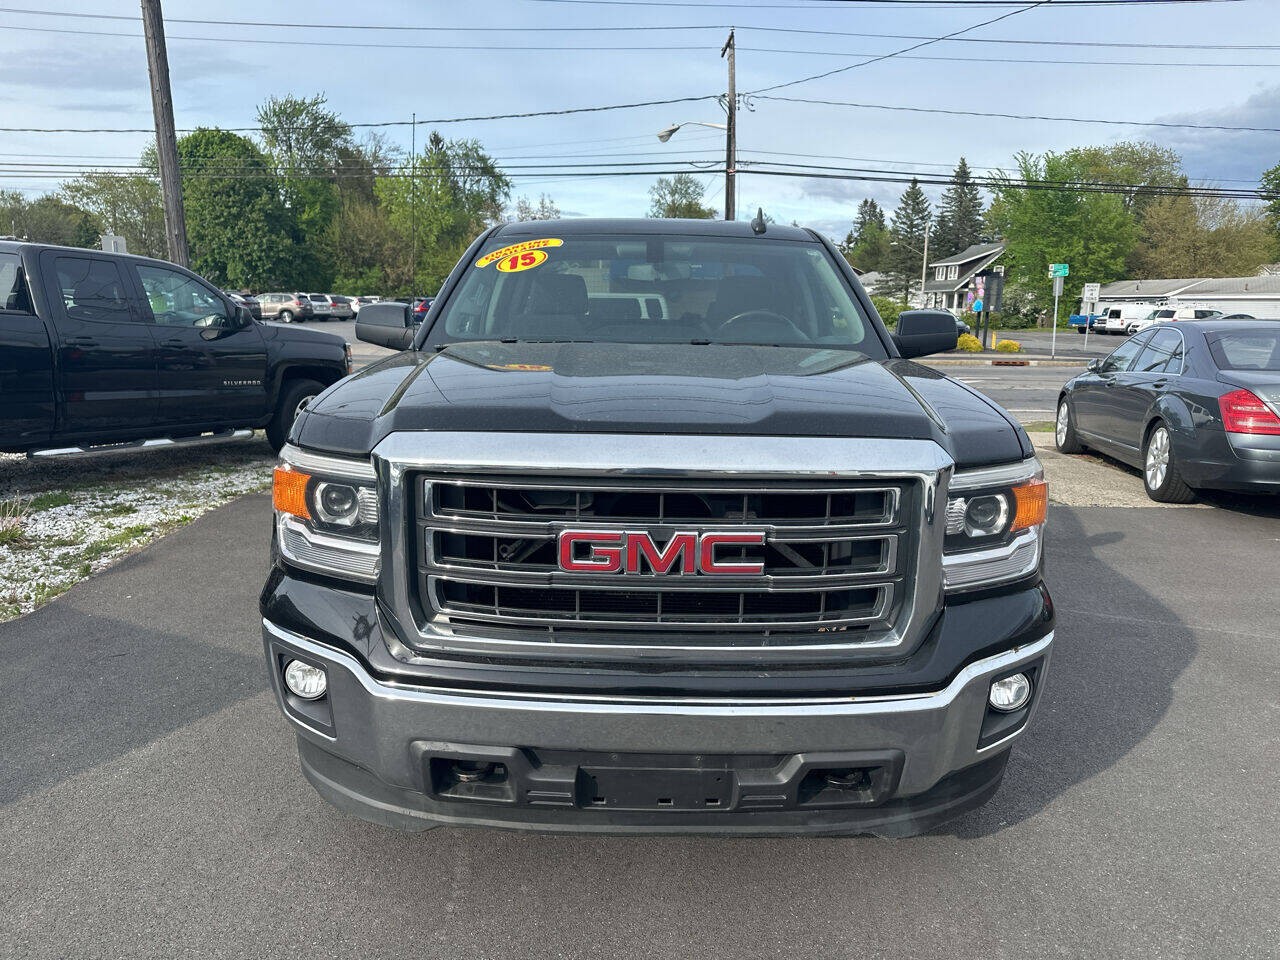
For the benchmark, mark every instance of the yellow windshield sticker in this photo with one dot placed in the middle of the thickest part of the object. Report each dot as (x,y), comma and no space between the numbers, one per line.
(515,248)
(522,261)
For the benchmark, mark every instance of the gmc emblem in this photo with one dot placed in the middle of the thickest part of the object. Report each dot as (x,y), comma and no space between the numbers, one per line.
(621,551)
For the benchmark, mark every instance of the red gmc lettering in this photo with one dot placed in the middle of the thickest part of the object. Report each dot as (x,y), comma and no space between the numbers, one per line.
(623,551)
(707,562)
(600,559)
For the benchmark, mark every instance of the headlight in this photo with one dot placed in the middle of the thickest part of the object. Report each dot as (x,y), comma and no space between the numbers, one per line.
(327,514)
(994,520)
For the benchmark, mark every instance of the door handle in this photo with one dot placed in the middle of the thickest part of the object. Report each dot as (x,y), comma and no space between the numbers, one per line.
(81,342)
(173,342)
(1159,383)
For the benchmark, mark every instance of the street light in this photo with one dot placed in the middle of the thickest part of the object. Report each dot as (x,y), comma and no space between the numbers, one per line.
(730,156)
(669,132)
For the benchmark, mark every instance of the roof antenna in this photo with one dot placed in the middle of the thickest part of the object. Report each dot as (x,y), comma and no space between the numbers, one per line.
(758,225)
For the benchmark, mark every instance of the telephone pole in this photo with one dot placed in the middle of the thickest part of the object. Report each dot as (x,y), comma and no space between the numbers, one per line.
(731,146)
(175,218)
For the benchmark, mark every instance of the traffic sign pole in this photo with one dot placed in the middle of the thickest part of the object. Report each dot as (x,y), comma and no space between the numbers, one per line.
(1057,292)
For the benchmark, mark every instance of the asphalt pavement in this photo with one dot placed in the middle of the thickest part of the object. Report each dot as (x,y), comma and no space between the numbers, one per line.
(153,806)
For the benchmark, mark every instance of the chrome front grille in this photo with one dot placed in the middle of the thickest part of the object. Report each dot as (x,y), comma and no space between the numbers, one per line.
(838,557)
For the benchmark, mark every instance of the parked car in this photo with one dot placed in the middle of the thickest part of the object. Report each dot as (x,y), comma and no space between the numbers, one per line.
(107,349)
(1079,321)
(1237,316)
(244,300)
(285,307)
(420,307)
(358,302)
(1118,318)
(1172,314)
(962,328)
(737,568)
(1193,405)
(321,305)
(340,307)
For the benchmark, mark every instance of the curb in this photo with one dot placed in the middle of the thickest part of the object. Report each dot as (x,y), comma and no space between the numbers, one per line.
(1002,362)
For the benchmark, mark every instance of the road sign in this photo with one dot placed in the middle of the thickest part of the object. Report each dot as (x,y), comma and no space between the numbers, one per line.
(1057,285)
(1091,292)
(1059,269)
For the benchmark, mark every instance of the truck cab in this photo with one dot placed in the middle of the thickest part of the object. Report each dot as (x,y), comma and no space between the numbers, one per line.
(99,348)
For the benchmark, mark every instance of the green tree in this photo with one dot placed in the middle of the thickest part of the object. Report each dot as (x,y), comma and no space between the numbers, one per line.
(1201,236)
(1270,190)
(679,197)
(906,252)
(237,227)
(959,215)
(308,145)
(452,190)
(1093,232)
(867,245)
(48,219)
(1131,164)
(526,209)
(126,205)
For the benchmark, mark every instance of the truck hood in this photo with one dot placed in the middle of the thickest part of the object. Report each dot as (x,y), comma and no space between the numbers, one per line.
(658,388)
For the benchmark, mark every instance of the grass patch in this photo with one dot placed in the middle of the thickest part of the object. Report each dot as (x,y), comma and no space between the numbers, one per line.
(1039,426)
(47,501)
(116,510)
(100,548)
(13,512)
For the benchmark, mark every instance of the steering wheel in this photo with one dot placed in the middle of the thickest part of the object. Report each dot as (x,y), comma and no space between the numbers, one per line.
(763,325)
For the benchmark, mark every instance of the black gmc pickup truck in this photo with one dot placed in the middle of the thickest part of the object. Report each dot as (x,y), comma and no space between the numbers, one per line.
(655,528)
(100,349)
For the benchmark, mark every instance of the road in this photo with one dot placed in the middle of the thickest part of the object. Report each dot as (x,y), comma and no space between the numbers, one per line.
(1069,343)
(153,807)
(1029,393)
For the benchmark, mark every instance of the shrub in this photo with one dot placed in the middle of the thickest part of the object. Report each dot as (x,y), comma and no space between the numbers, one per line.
(969,343)
(888,308)
(1008,346)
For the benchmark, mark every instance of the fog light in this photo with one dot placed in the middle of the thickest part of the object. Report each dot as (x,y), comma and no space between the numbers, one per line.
(304,680)
(1011,693)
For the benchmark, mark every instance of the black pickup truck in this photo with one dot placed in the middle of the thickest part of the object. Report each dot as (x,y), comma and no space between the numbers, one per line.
(656,528)
(100,349)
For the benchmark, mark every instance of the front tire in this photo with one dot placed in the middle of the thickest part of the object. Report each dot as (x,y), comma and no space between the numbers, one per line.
(1064,432)
(285,316)
(293,398)
(1160,475)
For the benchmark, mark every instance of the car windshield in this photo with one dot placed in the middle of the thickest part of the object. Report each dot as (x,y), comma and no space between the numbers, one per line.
(1254,350)
(658,289)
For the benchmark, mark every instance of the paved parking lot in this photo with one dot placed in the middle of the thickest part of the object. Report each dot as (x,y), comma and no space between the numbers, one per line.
(153,804)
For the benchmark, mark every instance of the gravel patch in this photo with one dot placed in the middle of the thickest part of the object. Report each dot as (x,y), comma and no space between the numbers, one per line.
(63,520)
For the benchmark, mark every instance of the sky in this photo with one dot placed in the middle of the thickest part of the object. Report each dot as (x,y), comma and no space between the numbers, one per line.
(221,73)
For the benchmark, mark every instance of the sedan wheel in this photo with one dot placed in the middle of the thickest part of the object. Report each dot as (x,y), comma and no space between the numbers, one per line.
(1064,431)
(1160,474)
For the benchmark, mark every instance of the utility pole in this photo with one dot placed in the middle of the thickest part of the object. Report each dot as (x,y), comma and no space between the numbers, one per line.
(175,217)
(924,263)
(731,145)
(413,209)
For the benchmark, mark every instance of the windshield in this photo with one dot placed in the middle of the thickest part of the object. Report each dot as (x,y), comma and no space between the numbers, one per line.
(658,289)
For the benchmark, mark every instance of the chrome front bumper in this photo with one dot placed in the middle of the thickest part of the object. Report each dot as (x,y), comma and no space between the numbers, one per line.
(381,730)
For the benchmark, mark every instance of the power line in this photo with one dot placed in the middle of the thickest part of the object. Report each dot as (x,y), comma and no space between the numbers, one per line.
(874,4)
(390,123)
(904,50)
(1010,40)
(1027,116)
(1037,61)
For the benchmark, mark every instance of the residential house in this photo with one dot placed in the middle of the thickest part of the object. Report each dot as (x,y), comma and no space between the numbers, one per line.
(951,280)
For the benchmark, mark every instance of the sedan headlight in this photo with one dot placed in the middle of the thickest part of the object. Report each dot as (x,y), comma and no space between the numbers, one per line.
(994,521)
(327,514)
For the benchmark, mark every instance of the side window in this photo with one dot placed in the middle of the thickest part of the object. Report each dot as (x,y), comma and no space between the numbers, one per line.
(178,301)
(13,286)
(93,290)
(1159,352)
(1120,359)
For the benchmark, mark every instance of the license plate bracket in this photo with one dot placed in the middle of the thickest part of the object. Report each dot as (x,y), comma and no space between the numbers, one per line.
(656,788)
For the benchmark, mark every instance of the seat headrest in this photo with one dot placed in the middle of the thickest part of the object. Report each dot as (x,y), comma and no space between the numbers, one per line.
(558,294)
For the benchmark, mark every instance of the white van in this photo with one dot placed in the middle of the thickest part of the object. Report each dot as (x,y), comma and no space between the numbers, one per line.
(1118,318)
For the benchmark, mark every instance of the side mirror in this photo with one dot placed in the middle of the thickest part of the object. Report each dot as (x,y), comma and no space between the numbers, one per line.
(386,324)
(922,332)
(1094,365)
(243,316)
